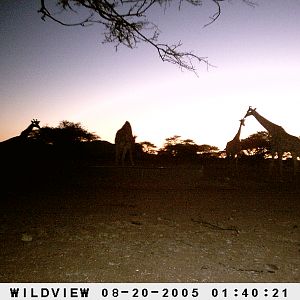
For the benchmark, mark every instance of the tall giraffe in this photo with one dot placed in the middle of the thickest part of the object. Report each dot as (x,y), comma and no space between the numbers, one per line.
(124,141)
(280,140)
(234,147)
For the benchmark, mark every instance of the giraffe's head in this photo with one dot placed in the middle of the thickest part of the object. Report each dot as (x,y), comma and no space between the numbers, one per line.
(242,121)
(35,123)
(250,112)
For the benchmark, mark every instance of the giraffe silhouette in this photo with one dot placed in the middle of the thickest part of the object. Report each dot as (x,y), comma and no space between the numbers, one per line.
(280,140)
(19,148)
(124,141)
(26,132)
(234,147)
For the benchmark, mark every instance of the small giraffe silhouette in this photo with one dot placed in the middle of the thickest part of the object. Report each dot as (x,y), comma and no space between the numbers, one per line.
(34,124)
(234,147)
(23,135)
(124,141)
(280,140)
(17,148)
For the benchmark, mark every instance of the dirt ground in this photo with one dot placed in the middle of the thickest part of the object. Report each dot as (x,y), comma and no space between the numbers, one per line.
(108,224)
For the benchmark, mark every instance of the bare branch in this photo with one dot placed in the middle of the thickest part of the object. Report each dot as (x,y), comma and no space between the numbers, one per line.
(125,23)
(217,14)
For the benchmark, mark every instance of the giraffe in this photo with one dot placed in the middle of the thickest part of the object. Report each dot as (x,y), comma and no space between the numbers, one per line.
(23,135)
(124,141)
(234,147)
(280,140)
(26,132)
(17,147)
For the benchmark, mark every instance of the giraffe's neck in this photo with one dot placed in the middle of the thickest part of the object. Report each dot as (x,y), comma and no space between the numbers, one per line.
(237,136)
(269,126)
(26,132)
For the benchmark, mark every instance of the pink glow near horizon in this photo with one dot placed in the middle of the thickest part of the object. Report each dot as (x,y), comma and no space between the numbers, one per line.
(54,73)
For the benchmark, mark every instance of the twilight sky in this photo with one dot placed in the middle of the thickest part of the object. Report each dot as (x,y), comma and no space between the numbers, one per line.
(56,73)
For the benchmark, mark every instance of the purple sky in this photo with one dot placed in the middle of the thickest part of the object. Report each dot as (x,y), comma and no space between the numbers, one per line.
(56,73)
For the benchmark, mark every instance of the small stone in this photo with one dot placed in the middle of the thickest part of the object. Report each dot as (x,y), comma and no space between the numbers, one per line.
(271,268)
(26,237)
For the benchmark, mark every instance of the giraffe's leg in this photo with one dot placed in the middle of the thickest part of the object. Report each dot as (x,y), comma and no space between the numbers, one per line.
(117,155)
(124,155)
(231,165)
(280,154)
(295,163)
(236,165)
(271,166)
(130,156)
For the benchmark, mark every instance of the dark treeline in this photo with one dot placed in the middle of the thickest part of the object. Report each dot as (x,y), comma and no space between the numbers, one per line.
(57,156)
(71,143)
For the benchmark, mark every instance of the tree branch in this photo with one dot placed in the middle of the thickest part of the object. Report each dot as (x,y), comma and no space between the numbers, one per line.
(125,23)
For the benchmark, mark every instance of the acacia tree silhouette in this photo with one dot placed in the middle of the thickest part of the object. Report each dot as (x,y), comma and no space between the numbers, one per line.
(183,149)
(257,143)
(66,133)
(148,147)
(126,22)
